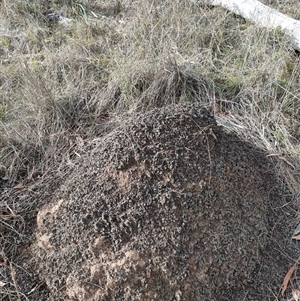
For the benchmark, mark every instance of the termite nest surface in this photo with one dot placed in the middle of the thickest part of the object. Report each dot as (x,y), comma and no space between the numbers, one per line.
(167,206)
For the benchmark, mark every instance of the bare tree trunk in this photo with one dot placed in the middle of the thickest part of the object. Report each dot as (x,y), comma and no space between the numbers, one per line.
(262,15)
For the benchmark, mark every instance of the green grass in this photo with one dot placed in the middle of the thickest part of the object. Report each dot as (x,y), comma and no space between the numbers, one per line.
(56,80)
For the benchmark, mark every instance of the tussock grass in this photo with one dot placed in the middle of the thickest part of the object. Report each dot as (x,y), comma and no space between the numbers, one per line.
(57,81)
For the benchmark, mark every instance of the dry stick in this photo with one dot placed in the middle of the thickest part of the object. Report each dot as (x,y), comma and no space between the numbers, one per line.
(13,276)
(262,15)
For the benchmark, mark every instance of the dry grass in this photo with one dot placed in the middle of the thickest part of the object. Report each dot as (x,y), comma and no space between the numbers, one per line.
(58,81)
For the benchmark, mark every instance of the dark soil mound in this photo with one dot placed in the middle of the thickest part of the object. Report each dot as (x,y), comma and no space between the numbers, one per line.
(166,207)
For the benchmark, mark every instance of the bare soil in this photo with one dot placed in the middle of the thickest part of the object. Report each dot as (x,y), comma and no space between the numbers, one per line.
(166,206)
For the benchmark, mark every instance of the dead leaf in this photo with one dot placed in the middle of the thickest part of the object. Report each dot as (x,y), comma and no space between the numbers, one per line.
(19,186)
(287,279)
(297,237)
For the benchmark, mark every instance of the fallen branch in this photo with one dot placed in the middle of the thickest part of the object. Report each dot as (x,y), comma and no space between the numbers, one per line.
(262,15)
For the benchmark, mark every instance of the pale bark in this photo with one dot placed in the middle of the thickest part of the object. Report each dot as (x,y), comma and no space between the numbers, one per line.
(262,15)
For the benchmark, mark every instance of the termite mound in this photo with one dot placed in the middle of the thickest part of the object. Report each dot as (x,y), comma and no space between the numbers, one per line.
(168,206)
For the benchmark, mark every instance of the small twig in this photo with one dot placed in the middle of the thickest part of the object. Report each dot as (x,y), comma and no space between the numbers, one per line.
(281,158)
(13,276)
(287,162)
